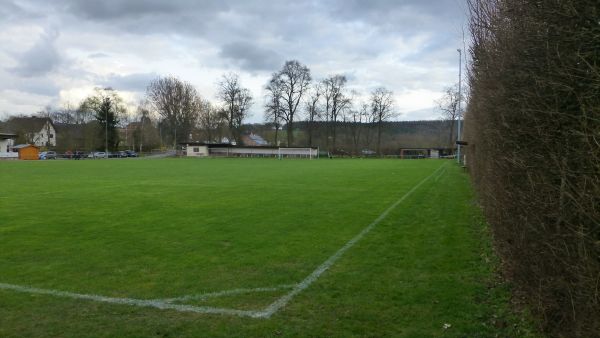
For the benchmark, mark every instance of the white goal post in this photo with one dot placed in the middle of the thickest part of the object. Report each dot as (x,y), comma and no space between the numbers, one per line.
(309,153)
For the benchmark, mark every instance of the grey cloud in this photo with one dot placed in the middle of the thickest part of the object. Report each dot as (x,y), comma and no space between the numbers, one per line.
(405,12)
(32,85)
(404,17)
(40,59)
(98,55)
(421,114)
(330,36)
(44,86)
(132,82)
(117,9)
(250,56)
(10,10)
(13,11)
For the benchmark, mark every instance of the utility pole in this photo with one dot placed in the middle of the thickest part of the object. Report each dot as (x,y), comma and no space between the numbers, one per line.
(106,133)
(459,101)
(141,135)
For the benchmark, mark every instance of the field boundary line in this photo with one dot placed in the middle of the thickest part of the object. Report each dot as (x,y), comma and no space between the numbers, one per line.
(43,193)
(304,284)
(442,172)
(132,301)
(224,293)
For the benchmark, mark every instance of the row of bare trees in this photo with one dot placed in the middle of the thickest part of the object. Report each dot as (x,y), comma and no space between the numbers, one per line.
(291,92)
(180,105)
(172,111)
(179,113)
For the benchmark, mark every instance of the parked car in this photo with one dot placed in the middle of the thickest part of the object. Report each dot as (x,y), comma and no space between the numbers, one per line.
(116,154)
(131,153)
(99,154)
(121,154)
(47,155)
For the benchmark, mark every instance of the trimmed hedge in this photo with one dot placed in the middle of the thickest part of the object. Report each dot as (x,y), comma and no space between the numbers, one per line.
(533,127)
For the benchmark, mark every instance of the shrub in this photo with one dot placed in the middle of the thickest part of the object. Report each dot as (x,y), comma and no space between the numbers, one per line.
(533,126)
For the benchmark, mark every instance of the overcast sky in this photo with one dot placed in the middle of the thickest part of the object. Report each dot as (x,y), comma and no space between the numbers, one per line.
(55,52)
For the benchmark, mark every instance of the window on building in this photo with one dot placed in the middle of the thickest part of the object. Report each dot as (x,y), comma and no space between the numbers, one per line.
(51,135)
(196,149)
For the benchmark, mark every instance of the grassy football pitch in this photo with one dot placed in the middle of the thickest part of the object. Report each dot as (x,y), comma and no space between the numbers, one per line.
(242,247)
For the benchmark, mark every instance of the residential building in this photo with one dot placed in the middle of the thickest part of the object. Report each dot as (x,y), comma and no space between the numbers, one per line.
(39,131)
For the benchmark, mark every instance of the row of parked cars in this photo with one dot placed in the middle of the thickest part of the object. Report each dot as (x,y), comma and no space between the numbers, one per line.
(116,154)
(77,155)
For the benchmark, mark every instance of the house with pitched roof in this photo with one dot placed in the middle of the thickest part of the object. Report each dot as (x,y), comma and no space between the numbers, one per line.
(39,131)
(7,141)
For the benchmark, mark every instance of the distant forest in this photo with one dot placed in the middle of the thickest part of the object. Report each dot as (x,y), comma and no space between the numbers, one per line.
(360,138)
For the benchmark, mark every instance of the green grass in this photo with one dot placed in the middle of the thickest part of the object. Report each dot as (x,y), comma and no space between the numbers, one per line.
(149,229)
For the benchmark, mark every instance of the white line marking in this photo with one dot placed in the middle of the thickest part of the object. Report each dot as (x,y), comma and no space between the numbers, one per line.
(204,296)
(57,192)
(131,301)
(440,175)
(281,302)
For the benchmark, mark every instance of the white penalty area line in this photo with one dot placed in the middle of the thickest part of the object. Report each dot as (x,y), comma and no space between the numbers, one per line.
(159,304)
(233,292)
(168,304)
(281,302)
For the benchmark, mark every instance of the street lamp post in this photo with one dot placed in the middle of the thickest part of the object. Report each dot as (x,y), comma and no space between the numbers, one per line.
(106,134)
(459,101)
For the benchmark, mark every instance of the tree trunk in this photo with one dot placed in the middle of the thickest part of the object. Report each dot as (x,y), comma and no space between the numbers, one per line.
(452,134)
(379,138)
(327,133)
(310,132)
(333,136)
(290,134)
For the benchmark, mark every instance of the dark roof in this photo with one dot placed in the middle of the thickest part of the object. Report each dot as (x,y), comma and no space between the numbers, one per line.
(75,130)
(4,129)
(228,145)
(254,140)
(21,146)
(7,135)
(192,143)
(28,124)
(427,148)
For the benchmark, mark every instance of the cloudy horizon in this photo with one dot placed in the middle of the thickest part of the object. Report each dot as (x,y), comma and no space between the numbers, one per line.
(55,53)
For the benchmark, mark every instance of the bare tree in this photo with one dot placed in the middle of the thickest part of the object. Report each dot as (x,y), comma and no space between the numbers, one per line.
(336,101)
(313,110)
(178,103)
(209,121)
(145,133)
(236,101)
(357,119)
(382,109)
(66,114)
(294,79)
(274,105)
(448,106)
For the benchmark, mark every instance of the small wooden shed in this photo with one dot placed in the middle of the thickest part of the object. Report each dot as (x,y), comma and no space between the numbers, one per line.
(27,152)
